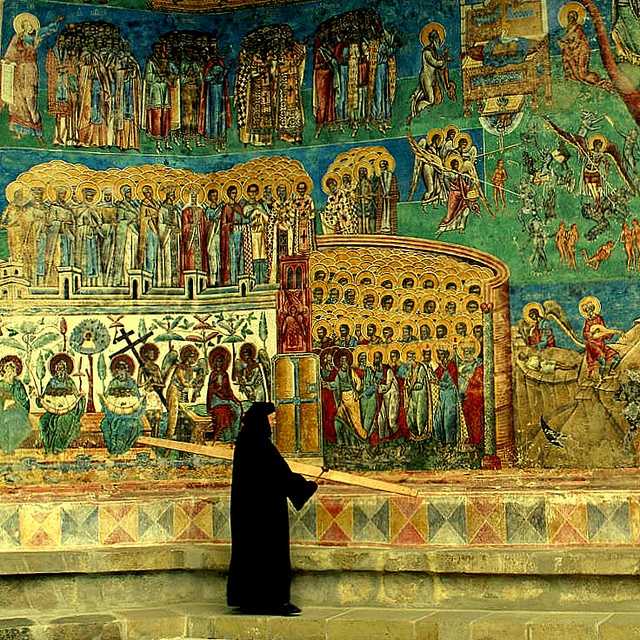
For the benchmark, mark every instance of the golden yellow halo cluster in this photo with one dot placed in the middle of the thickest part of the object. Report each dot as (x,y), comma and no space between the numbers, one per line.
(76,179)
(350,162)
(396,288)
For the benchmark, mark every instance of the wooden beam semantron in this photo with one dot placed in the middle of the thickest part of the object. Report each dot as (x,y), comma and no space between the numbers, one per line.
(225,452)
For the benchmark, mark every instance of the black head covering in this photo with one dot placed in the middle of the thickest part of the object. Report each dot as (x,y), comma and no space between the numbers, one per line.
(255,420)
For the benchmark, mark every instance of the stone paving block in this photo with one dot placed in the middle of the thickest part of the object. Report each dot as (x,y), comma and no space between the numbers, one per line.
(81,627)
(150,624)
(502,626)
(201,617)
(620,626)
(447,625)
(553,625)
(237,626)
(310,625)
(374,624)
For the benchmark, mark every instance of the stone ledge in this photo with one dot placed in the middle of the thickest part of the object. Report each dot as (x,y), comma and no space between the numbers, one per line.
(199,621)
(600,561)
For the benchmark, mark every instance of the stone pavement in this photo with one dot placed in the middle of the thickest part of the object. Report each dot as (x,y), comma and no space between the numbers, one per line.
(197,621)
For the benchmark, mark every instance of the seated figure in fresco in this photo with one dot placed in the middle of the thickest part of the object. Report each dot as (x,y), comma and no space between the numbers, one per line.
(64,405)
(222,405)
(123,408)
(14,405)
(251,375)
(599,355)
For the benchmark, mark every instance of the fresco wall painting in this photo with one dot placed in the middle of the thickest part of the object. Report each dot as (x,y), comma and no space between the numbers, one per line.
(413,227)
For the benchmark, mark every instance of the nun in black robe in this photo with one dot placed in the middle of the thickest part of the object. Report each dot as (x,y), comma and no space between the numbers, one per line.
(260,570)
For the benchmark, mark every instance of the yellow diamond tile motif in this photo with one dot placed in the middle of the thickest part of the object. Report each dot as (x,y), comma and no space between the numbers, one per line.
(40,525)
(118,523)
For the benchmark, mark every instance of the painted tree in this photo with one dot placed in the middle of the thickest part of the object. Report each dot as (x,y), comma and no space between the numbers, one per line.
(622,84)
(90,337)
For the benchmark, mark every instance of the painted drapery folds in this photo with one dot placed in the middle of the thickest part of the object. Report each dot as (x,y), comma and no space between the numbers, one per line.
(411,227)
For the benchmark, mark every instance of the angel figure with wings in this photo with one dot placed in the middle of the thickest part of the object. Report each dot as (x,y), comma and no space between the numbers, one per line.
(428,165)
(536,327)
(597,153)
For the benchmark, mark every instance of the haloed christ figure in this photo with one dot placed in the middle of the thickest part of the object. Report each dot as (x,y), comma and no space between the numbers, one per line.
(260,570)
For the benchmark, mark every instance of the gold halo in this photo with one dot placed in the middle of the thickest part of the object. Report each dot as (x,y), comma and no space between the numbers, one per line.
(464,319)
(168,185)
(87,184)
(597,136)
(22,17)
(432,133)
(403,299)
(343,273)
(54,186)
(406,348)
(253,179)
(386,293)
(434,278)
(302,178)
(463,135)
(363,348)
(447,324)
(391,277)
(228,183)
(453,156)
(335,285)
(471,297)
(430,324)
(356,297)
(563,13)
(13,188)
(370,291)
(390,159)
(451,279)
(124,182)
(278,182)
(469,341)
(188,188)
(374,321)
(528,308)
(424,302)
(428,28)
(592,299)
(367,274)
(361,165)
(147,183)
(326,325)
(319,284)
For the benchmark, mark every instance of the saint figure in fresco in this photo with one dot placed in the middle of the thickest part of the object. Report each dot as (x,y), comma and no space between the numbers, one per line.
(127,234)
(471,388)
(160,77)
(419,402)
(230,230)
(345,386)
(601,358)
(575,48)
(213,214)
(193,235)
(22,56)
(387,196)
(15,426)
(433,81)
(304,217)
(168,238)
(88,236)
(64,405)
(123,407)
(215,107)
(127,102)
(222,405)
(148,242)
(446,418)
(151,384)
